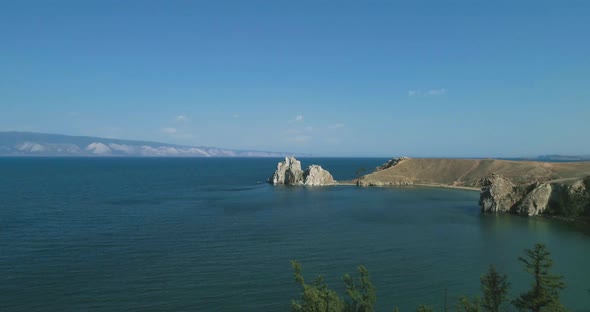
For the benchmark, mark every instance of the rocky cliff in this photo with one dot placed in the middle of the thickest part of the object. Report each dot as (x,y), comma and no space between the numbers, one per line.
(289,172)
(498,194)
(565,197)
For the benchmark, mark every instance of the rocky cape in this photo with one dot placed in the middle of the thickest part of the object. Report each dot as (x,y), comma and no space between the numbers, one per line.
(564,197)
(522,187)
(289,172)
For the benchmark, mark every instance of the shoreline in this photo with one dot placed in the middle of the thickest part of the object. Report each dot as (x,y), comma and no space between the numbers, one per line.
(467,188)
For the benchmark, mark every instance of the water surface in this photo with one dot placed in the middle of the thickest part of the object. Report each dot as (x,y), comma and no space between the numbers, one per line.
(108,234)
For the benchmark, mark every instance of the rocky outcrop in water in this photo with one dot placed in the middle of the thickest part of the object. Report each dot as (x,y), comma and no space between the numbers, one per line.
(315,175)
(498,194)
(289,172)
(536,201)
(569,197)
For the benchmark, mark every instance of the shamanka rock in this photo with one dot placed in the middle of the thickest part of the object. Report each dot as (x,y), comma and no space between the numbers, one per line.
(315,175)
(289,172)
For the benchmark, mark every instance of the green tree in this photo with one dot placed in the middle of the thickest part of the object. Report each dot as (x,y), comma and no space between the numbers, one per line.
(361,291)
(495,290)
(316,297)
(424,308)
(465,305)
(544,294)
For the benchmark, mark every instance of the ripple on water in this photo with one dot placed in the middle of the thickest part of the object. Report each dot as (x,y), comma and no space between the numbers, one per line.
(197,234)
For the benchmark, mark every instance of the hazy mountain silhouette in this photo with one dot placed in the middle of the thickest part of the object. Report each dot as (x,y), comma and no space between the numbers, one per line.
(17,143)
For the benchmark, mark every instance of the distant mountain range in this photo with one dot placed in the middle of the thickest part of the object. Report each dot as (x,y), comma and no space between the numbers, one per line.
(559,158)
(43,144)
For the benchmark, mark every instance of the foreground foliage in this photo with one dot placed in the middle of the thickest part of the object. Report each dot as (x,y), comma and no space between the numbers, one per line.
(495,290)
(544,293)
(494,287)
(316,296)
(361,293)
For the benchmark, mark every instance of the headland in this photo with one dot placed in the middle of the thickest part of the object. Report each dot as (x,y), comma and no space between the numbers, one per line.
(521,187)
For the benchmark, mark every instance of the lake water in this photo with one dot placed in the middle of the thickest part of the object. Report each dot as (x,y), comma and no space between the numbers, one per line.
(110,234)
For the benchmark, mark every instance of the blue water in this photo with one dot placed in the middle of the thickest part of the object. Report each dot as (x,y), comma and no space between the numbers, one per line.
(112,234)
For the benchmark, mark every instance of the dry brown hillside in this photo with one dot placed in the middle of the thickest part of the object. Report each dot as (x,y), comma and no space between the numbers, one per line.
(468,172)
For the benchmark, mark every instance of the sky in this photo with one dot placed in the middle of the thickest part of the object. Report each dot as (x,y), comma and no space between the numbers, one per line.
(330,78)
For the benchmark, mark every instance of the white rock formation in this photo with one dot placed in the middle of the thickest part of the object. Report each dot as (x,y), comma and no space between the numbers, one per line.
(289,172)
(315,176)
(498,194)
(535,202)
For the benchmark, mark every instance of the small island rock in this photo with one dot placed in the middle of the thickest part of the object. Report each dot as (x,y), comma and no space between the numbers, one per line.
(289,172)
(315,175)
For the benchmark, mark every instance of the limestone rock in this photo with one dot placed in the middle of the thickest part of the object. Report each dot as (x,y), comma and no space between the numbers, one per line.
(536,201)
(288,172)
(315,175)
(569,197)
(498,194)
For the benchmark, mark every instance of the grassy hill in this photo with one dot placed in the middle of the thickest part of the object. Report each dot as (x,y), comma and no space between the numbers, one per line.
(469,172)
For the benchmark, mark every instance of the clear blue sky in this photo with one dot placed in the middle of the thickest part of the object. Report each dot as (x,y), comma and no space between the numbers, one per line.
(363,78)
